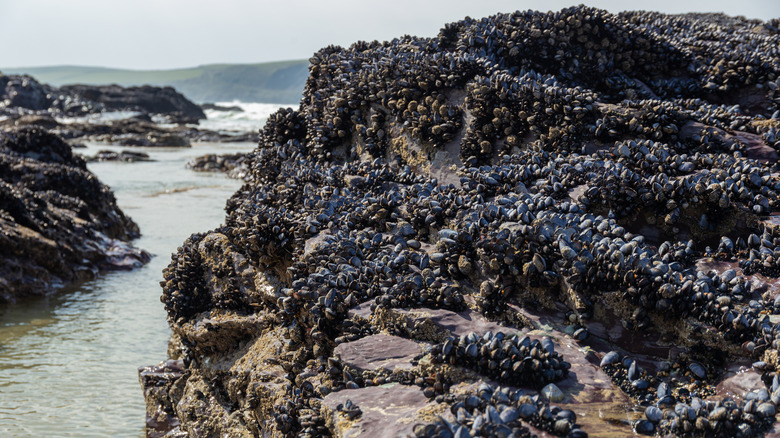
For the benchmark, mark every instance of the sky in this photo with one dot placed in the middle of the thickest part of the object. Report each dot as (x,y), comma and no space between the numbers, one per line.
(163,34)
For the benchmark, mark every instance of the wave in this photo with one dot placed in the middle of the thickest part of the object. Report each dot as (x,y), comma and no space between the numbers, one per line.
(99,118)
(251,119)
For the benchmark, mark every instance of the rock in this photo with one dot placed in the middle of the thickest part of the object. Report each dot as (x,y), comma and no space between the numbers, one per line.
(388,410)
(215,107)
(24,92)
(740,381)
(26,102)
(128,132)
(127,156)
(235,165)
(59,224)
(379,351)
(156,381)
(552,170)
(147,99)
(44,121)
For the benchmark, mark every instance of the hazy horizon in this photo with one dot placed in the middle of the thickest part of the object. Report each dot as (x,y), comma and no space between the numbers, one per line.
(58,66)
(152,35)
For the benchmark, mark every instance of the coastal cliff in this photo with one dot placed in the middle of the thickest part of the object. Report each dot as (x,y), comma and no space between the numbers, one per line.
(534,223)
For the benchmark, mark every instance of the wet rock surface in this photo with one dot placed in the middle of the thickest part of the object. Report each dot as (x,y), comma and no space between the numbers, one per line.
(379,351)
(161,420)
(558,224)
(58,223)
(388,410)
(126,156)
(234,165)
(215,107)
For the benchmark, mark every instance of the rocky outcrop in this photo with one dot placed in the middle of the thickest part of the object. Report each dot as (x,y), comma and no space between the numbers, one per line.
(132,131)
(74,112)
(21,95)
(59,225)
(534,223)
(146,99)
(126,156)
(215,107)
(234,165)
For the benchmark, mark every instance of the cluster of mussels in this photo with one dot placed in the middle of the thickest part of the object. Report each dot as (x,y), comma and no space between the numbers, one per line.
(675,406)
(513,165)
(500,411)
(516,361)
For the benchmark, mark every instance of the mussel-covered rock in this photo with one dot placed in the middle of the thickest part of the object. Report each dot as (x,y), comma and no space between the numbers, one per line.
(59,224)
(592,185)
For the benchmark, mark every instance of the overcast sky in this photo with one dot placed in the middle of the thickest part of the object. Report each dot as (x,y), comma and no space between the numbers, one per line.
(161,34)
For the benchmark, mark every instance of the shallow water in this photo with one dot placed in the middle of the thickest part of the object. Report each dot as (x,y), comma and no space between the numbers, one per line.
(68,363)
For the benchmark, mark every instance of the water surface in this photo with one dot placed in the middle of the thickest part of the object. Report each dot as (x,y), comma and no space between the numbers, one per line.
(68,363)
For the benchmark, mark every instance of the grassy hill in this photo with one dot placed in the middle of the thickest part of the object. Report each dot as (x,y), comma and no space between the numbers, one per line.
(272,82)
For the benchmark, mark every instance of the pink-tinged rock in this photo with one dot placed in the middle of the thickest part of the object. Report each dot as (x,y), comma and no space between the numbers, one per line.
(599,404)
(155,382)
(390,410)
(739,381)
(755,147)
(774,432)
(362,310)
(459,323)
(379,351)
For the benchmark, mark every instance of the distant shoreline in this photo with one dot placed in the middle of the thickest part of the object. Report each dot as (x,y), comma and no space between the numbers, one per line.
(281,81)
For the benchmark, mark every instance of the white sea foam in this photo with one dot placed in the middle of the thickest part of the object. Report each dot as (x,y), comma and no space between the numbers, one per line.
(251,119)
(104,117)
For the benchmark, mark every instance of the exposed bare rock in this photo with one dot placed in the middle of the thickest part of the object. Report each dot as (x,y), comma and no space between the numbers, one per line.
(390,410)
(379,351)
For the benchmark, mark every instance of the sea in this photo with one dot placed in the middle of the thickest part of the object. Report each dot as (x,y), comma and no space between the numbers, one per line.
(69,362)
